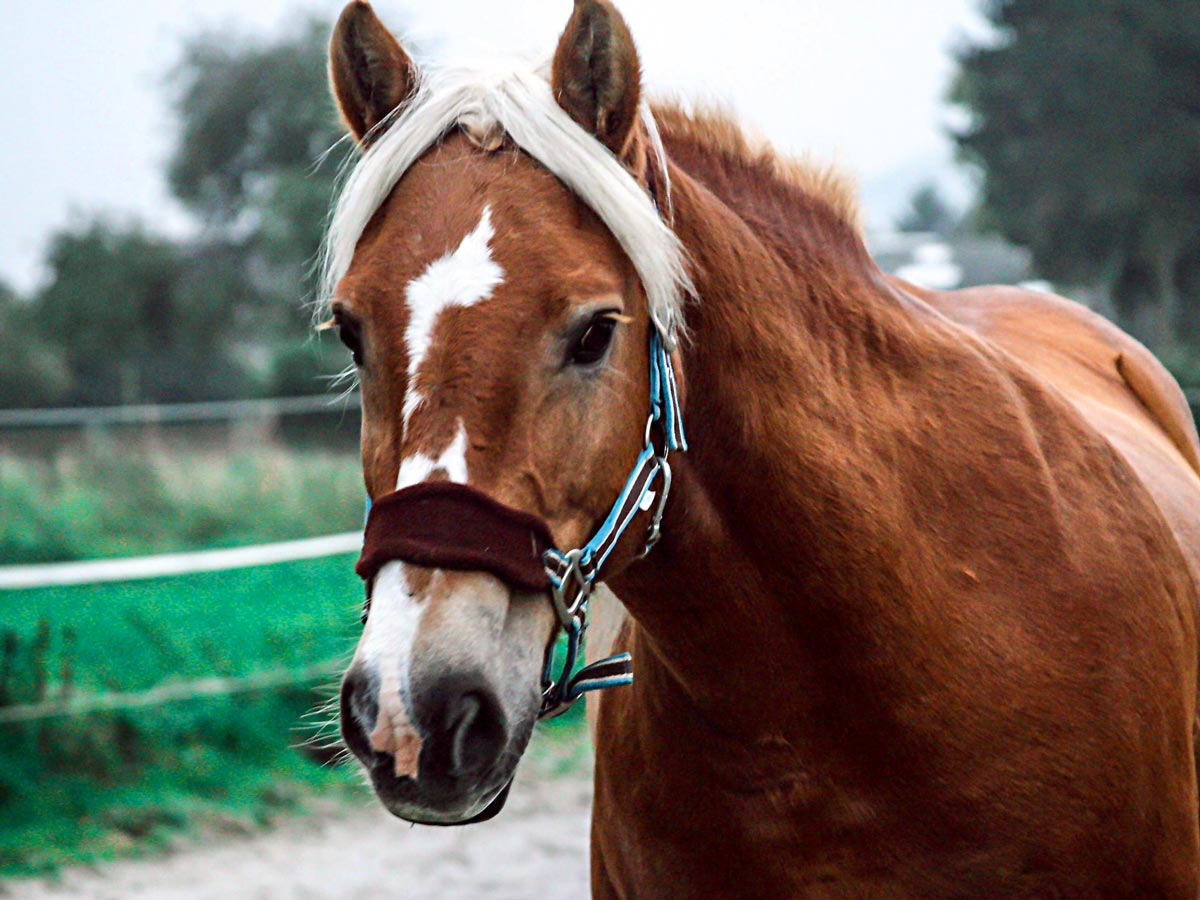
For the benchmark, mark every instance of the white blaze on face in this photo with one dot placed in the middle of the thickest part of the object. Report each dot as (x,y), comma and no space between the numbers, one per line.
(386,646)
(395,616)
(462,277)
(452,461)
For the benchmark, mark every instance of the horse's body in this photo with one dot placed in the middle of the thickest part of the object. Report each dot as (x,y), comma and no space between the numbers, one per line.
(923,620)
(968,667)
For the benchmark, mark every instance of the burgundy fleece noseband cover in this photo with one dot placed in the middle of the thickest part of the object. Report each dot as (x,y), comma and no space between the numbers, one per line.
(451,526)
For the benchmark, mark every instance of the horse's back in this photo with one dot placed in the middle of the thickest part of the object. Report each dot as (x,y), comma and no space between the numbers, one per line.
(1115,383)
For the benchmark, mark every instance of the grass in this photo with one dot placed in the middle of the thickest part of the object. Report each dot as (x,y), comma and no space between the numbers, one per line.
(95,787)
(107,784)
(112,503)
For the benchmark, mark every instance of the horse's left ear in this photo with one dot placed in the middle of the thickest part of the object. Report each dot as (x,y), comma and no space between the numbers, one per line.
(597,77)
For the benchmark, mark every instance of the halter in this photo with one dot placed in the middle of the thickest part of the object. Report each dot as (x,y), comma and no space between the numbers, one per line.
(453,526)
(574,574)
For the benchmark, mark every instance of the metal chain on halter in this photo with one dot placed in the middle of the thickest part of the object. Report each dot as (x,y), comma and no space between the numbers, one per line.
(574,574)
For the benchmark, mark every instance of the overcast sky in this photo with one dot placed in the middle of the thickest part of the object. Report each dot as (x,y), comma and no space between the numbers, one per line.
(87,126)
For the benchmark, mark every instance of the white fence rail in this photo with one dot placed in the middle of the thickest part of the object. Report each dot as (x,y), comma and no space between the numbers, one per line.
(137,568)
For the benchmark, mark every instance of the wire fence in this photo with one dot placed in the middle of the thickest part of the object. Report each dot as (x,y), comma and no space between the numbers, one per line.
(74,704)
(177,413)
(223,411)
(85,704)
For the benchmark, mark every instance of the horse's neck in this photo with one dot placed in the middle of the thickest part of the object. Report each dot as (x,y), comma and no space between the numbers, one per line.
(770,619)
(775,559)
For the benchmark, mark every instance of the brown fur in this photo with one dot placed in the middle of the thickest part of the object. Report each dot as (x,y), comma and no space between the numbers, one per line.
(989,552)
(717,130)
(923,620)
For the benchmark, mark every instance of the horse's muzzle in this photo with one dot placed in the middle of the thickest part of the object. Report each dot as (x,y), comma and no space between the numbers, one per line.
(462,767)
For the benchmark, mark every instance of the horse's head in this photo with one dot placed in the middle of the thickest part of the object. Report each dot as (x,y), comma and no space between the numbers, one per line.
(499,321)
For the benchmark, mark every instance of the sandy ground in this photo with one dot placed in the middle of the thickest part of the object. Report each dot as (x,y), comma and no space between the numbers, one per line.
(537,847)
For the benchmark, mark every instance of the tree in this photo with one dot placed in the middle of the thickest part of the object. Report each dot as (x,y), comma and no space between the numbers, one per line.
(129,316)
(133,322)
(33,371)
(928,212)
(252,160)
(256,162)
(1086,126)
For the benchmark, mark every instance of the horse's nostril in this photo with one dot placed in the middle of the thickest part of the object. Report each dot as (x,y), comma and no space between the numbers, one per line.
(473,728)
(358,709)
(476,734)
(461,724)
(364,703)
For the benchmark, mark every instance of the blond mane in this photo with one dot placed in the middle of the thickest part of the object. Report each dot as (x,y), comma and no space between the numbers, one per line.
(516,100)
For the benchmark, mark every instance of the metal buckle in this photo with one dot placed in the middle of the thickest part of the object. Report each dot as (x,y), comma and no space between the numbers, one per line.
(561,581)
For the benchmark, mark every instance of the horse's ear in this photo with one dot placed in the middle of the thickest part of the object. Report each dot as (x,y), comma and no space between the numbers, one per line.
(369,70)
(597,77)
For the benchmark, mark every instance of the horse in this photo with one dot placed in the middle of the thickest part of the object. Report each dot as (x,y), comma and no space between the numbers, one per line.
(919,617)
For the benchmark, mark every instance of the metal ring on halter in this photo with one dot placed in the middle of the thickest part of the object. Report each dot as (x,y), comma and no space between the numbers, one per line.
(562,578)
(555,690)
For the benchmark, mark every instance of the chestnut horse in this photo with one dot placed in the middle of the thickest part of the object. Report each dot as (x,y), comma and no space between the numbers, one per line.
(922,620)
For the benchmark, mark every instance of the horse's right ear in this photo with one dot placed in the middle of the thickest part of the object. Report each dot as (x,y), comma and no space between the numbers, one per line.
(596,76)
(369,70)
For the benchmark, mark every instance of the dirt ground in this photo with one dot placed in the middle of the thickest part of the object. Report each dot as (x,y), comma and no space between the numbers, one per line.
(537,847)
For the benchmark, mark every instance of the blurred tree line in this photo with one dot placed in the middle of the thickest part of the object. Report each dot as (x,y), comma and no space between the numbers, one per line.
(1086,128)
(129,316)
(1085,124)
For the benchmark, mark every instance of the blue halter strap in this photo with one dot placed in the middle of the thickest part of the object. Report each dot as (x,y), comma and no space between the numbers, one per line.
(574,574)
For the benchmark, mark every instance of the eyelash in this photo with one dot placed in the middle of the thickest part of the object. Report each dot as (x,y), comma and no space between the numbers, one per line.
(350,334)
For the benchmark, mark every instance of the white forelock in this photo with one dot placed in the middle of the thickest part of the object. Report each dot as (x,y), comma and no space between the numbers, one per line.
(521,102)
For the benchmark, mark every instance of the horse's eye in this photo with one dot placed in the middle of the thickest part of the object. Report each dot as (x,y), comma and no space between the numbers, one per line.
(593,342)
(350,334)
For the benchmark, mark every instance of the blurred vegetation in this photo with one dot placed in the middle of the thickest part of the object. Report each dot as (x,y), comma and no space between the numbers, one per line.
(1085,122)
(129,316)
(99,785)
(117,503)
